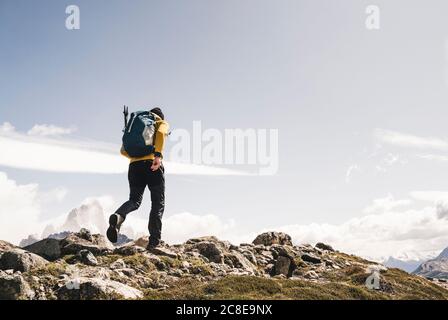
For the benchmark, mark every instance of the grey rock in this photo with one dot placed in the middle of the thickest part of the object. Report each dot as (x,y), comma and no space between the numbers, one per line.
(83,240)
(282,265)
(235,259)
(13,287)
(311,258)
(87,257)
(270,238)
(95,289)
(118,264)
(210,250)
(49,249)
(20,260)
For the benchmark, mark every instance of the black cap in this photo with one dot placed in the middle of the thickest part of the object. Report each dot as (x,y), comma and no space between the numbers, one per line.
(158,112)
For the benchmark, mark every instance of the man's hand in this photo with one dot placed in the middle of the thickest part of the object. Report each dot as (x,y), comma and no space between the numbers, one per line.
(156,163)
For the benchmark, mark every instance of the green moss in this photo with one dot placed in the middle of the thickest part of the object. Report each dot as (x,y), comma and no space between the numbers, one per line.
(395,284)
(108,259)
(198,266)
(139,262)
(54,269)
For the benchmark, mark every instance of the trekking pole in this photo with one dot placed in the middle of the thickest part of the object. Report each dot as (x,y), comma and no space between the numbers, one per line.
(125,113)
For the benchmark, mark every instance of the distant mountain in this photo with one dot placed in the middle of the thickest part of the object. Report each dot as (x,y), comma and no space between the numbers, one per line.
(89,215)
(406,265)
(435,268)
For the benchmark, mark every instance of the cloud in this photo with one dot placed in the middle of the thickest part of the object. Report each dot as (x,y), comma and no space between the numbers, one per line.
(434,157)
(50,130)
(378,236)
(387,203)
(409,140)
(6,127)
(19,209)
(56,154)
(180,227)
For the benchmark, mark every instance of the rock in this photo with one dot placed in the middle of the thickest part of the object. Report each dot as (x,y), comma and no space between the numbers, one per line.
(163,252)
(310,258)
(83,240)
(286,251)
(118,264)
(95,288)
(49,249)
(235,259)
(282,266)
(6,246)
(13,287)
(87,257)
(324,246)
(202,239)
(129,250)
(210,250)
(270,238)
(311,275)
(20,260)
(249,255)
(141,242)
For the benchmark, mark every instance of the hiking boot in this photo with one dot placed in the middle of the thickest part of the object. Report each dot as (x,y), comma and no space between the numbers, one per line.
(152,246)
(115,221)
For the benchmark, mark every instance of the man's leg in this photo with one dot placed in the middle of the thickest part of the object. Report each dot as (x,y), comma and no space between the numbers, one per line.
(156,184)
(137,186)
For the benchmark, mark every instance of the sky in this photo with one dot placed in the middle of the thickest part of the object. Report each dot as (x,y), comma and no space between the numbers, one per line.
(362,141)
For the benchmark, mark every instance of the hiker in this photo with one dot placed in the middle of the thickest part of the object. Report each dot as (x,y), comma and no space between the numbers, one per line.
(143,142)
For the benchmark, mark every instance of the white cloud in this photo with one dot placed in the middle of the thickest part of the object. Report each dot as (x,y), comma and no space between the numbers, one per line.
(19,209)
(387,203)
(55,195)
(180,227)
(6,127)
(430,195)
(76,156)
(50,130)
(434,157)
(409,140)
(378,236)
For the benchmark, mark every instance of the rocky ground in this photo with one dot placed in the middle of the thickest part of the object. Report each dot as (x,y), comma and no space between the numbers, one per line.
(87,266)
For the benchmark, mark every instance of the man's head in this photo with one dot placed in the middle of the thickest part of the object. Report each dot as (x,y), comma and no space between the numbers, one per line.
(158,112)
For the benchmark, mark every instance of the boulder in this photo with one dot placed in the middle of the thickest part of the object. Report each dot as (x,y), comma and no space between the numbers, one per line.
(83,240)
(324,246)
(6,246)
(97,289)
(310,258)
(49,249)
(234,259)
(160,251)
(20,260)
(270,238)
(210,250)
(129,250)
(282,266)
(87,257)
(13,287)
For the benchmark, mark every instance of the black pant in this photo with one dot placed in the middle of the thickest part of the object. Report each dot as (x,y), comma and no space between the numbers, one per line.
(140,175)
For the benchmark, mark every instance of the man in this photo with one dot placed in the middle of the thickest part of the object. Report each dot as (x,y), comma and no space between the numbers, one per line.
(145,171)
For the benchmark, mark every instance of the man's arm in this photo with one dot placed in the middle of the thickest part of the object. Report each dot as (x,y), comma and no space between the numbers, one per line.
(161,133)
